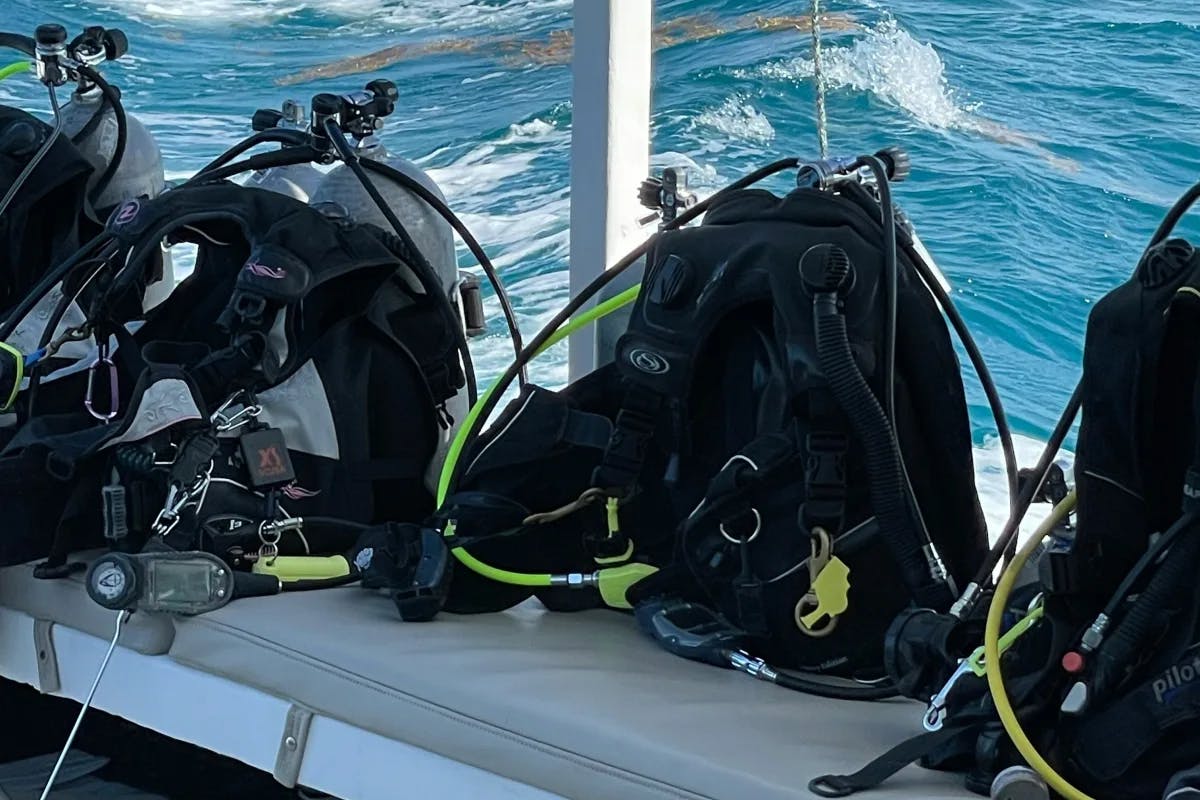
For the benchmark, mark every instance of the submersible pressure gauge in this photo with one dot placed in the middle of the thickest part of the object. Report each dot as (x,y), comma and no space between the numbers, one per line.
(175,583)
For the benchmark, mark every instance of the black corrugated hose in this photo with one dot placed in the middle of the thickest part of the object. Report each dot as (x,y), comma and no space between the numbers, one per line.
(867,417)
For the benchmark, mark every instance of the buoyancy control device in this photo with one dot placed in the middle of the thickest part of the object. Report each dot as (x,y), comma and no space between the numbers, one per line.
(295,372)
(59,202)
(1098,615)
(784,417)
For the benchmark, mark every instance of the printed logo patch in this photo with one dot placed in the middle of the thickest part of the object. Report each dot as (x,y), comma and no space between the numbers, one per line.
(263,271)
(649,362)
(294,492)
(127,212)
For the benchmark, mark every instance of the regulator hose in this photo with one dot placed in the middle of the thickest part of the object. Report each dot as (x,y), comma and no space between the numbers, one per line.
(991,644)
(425,270)
(16,68)
(114,99)
(1175,214)
(22,44)
(1177,573)
(283,136)
(285,157)
(35,295)
(438,205)
(888,489)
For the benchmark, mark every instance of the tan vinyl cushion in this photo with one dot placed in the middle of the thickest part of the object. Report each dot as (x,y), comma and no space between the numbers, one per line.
(65,602)
(582,705)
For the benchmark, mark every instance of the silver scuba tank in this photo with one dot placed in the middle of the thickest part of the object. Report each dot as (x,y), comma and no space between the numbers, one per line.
(297,180)
(432,234)
(91,123)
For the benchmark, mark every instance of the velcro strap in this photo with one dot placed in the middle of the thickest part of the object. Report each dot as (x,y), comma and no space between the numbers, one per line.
(587,430)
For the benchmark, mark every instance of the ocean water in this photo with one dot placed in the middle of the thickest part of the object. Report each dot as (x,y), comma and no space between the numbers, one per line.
(1047,137)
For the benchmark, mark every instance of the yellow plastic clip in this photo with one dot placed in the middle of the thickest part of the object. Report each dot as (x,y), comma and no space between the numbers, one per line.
(976,659)
(303,568)
(829,588)
(614,582)
(614,519)
(611,506)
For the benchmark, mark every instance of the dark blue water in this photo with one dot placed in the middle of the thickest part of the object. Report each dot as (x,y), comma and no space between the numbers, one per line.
(1047,137)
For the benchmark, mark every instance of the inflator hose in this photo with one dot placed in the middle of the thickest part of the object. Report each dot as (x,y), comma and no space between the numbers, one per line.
(887,486)
(15,41)
(991,645)
(1178,570)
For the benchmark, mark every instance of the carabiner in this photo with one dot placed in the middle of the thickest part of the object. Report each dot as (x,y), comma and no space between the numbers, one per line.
(113,389)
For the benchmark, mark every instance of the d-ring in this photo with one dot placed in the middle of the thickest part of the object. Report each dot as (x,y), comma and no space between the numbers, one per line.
(752,536)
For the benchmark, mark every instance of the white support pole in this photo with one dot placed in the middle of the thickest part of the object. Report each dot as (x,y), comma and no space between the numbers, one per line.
(610,143)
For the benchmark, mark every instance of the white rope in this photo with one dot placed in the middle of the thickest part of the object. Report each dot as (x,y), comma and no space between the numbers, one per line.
(819,78)
(122,617)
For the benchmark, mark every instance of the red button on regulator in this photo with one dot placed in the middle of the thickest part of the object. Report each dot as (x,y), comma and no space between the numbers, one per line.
(1072,662)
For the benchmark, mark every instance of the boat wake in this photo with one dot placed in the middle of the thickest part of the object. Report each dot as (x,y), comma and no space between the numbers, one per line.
(892,65)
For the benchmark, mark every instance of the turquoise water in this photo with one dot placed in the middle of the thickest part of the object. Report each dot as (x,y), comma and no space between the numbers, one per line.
(1047,138)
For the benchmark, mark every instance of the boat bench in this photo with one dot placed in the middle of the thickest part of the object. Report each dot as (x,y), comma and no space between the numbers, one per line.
(550,705)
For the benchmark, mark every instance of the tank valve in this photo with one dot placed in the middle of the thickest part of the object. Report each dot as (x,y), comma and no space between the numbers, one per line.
(668,195)
(51,49)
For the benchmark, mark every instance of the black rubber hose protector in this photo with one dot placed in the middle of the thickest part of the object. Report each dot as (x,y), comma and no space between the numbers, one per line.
(1176,574)
(867,417)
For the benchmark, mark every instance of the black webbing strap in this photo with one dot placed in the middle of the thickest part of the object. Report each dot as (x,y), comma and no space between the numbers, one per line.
(825,465)
(626,452)
(886,765)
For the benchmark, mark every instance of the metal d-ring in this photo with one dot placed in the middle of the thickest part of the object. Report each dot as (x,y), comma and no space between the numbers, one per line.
(752,536)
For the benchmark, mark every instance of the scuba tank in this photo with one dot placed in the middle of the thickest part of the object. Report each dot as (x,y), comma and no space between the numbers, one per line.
(432,234)
(93,123)
(360,113)
(296,180)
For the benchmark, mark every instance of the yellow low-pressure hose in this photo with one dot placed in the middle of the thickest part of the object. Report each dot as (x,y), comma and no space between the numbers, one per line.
(460,440)
(991,644)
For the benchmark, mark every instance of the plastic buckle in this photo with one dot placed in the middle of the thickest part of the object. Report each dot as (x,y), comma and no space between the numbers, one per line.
(824,481)
(625,453)
(825,469)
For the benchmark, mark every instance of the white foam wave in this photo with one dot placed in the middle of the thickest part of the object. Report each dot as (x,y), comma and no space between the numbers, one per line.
(409,15)
(993,486)
(737,119)
(891,64)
